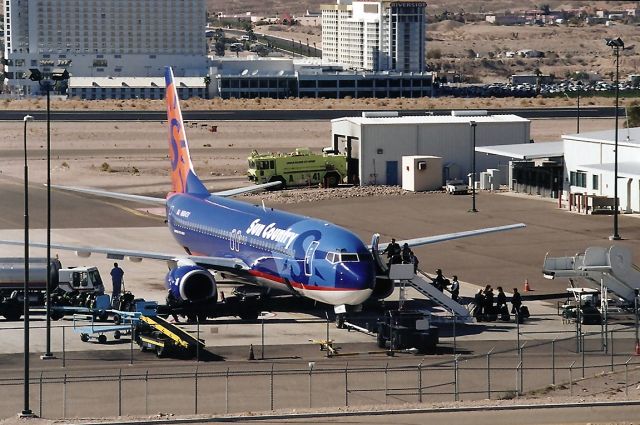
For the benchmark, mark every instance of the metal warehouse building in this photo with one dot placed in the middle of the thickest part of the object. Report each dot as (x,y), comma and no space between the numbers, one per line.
(376,142)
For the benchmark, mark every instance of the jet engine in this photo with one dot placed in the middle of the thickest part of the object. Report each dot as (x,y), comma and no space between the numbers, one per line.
(190,282)
(383,288)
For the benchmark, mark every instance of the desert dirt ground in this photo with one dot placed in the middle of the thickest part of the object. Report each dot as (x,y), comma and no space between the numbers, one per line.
(133,156)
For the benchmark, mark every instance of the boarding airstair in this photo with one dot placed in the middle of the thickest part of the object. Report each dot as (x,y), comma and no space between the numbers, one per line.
(609,267)
(423,284)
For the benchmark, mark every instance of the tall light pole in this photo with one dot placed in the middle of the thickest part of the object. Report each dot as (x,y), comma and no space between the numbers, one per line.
(58,74)
(616,45)
(473,125)
(578,113)
(26,411)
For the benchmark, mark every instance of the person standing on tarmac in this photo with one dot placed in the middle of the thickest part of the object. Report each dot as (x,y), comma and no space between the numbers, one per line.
(516,302)
(116,281)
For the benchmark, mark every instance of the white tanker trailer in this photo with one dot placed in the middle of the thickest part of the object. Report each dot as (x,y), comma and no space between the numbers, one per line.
(73,286)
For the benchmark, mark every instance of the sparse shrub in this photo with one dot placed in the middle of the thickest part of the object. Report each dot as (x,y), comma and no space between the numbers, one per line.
(105,167)
(65,164)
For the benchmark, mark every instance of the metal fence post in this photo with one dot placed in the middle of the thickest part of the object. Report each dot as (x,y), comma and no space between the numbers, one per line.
(198,337)
(571,378)
(386,383)
(311,364)
(146,392)
(64,396)
(518,379)
(553,361)
(195,391)
(455,379)
(626,378)
(612,351)
(521,390)
(226,392)
(131,346)
(420,382)
(271,383)
(64,351)
(489,373)
(262,339)
(40,396)
(583,350)
(119,392)
(346,385)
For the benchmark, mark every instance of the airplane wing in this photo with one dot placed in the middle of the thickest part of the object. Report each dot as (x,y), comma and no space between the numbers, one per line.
(451,236)
(161,201)
(215,263)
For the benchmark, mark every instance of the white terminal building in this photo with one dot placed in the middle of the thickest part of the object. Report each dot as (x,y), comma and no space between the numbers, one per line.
(377,142)
(580,169)
(375,35)
(94,38)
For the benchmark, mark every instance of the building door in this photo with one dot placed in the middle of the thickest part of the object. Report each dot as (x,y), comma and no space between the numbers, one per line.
(392,173)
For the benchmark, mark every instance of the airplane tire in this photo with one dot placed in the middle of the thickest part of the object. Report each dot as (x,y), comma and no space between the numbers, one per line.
(102,339)
(117,335)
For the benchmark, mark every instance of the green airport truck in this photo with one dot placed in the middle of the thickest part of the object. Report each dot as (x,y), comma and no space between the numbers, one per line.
(299,168)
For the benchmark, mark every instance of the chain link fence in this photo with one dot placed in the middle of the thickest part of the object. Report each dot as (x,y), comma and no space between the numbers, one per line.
(500,373)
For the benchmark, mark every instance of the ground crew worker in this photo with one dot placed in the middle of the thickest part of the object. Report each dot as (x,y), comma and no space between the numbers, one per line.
(501,300)
(516,302)
(479,304)
(116,281)
(455,288)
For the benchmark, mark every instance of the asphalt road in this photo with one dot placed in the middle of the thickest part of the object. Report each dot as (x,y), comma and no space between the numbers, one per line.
(69,210)
(287,115)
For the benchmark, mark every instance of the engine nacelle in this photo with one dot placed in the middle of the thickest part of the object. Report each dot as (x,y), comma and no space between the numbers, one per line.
(384,287)
(191,283)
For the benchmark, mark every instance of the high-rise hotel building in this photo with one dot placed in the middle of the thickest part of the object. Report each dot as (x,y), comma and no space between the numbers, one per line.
(104,37)
(375,35)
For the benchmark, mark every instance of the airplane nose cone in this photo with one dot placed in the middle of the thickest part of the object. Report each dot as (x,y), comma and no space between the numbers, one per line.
(356,275)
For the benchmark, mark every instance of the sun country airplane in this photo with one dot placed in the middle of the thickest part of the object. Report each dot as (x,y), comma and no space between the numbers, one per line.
(257,245)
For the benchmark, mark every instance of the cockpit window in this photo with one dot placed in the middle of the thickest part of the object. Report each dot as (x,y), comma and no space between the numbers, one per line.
(341,257)
(348,257)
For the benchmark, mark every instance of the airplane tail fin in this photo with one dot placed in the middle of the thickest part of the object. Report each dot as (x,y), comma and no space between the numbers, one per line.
(183,177)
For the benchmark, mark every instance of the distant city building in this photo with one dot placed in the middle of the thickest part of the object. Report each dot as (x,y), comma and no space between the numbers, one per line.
(133,87)
(375,35)
(96,38)
(281,78)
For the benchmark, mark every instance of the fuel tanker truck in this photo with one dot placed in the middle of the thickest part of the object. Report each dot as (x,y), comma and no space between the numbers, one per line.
(70,287)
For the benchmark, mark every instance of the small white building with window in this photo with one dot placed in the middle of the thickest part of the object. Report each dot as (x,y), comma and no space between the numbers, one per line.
(580,167)
(589,160)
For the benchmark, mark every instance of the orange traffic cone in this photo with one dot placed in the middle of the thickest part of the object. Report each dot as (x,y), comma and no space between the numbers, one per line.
(637,348)
(527,288)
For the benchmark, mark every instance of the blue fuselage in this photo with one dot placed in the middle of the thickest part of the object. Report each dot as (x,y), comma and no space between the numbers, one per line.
(290,252)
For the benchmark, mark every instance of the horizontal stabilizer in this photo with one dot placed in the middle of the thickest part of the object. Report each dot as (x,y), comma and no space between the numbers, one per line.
(115,195)
(247,189)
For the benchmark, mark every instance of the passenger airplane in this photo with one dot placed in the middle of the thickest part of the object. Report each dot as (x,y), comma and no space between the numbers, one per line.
(254,244)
